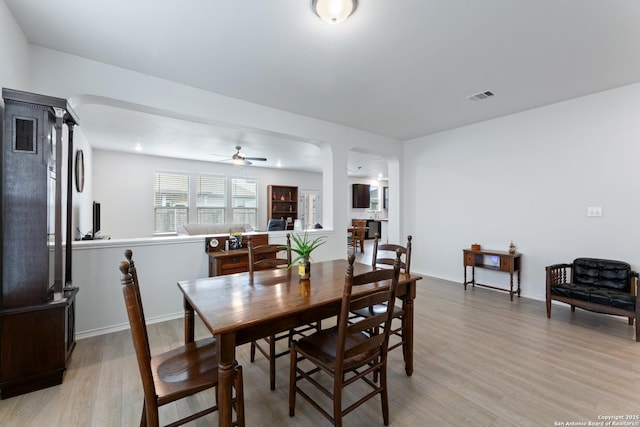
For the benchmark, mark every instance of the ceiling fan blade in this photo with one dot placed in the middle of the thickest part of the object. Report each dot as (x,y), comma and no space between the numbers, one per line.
(258,159)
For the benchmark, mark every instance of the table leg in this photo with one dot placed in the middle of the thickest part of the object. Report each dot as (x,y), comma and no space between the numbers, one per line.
(511,286)
(188,322)
(407,328)
(226,346)
(473,276)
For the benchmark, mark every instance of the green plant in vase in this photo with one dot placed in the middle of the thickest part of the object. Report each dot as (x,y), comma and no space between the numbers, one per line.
(302,246)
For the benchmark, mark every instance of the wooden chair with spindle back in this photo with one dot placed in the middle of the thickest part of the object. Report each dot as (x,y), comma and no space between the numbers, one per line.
(382,258)
(358,235)
(346,352)
(262,258)
(174,374)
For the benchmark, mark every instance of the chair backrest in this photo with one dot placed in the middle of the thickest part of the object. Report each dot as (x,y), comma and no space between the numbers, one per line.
(371,345)
(385,258)
(139,335)
(128,254)
(267,257)
(602,273)
(276,224)
(359,229)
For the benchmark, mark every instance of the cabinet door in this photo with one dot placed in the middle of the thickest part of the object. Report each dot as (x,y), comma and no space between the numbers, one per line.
(28,211)
(361,196)
(469,258)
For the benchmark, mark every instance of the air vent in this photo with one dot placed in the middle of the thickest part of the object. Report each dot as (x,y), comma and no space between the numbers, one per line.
(480,96)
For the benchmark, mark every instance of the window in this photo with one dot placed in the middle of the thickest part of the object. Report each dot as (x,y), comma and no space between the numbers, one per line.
(211,199)
(202,199)
(244,201)
(374,198)
(170,202)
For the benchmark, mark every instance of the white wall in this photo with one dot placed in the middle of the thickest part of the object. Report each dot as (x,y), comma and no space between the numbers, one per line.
(126,196)
(14,61)
(161,262)
(529,178)
(84,81)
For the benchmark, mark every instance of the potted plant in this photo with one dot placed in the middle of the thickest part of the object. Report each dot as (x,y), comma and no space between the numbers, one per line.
(302,246)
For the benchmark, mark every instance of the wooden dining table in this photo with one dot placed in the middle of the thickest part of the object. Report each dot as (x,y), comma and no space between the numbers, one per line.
(242,307)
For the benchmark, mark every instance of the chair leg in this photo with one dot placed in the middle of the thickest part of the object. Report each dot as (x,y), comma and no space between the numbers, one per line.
(292,381)
(383,394)
(548,308)
(272,362)
(150,417)
(239,396)
(337,401)
(143,417)
(253,352)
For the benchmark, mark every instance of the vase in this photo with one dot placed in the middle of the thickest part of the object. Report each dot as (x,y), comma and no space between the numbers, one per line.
(304,269)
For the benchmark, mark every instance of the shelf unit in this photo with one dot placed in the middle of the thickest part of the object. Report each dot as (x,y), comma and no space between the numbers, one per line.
(282,203)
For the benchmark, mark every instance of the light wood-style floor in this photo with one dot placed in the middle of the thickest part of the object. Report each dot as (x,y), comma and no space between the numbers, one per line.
(480,360)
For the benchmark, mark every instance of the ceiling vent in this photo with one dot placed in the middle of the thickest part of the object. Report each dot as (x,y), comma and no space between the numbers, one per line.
(480,96)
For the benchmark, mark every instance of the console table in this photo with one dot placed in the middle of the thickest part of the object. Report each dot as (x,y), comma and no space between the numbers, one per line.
(504,261)
(223,262)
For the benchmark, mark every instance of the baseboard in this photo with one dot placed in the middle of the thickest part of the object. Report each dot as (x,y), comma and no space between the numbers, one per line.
(124,326)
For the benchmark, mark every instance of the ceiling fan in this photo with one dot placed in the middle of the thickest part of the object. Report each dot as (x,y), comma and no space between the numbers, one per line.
(242,159)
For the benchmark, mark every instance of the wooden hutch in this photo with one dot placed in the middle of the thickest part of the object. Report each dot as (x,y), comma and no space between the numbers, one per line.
(282,203)
(37,299)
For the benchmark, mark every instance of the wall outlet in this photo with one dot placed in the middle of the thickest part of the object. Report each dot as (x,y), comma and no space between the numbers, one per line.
(594,211)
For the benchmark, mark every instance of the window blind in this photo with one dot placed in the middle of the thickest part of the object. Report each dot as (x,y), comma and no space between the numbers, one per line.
(244,201)
(170,201)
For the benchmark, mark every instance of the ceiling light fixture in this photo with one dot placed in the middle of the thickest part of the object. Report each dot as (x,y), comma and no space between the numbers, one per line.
(334,11)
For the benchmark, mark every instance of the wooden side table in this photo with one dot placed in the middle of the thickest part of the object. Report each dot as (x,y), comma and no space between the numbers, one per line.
(506,261)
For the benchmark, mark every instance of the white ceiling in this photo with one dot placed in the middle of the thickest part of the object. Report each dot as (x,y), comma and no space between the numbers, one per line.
(402,69)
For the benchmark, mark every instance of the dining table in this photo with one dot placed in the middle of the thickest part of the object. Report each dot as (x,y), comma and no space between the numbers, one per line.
(242,307)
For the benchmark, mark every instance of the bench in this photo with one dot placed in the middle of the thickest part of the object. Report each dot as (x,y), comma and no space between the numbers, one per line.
(599,285)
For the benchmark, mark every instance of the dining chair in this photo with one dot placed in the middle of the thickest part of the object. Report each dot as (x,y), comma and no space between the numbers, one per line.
(276,224)
(346,353)
(175,374)
(265,257)
(358,234)
(382,257)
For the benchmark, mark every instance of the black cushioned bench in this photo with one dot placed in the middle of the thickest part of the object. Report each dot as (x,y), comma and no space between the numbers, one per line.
(600,285)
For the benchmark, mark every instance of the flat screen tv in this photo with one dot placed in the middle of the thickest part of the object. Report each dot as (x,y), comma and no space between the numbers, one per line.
(96,219)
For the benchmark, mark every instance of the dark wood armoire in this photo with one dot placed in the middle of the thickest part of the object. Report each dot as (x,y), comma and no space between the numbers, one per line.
(37,298)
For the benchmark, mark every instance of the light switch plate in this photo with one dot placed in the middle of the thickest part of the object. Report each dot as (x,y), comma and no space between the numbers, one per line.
(594,211)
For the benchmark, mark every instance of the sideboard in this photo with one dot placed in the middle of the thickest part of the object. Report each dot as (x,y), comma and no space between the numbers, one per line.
(508,262)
